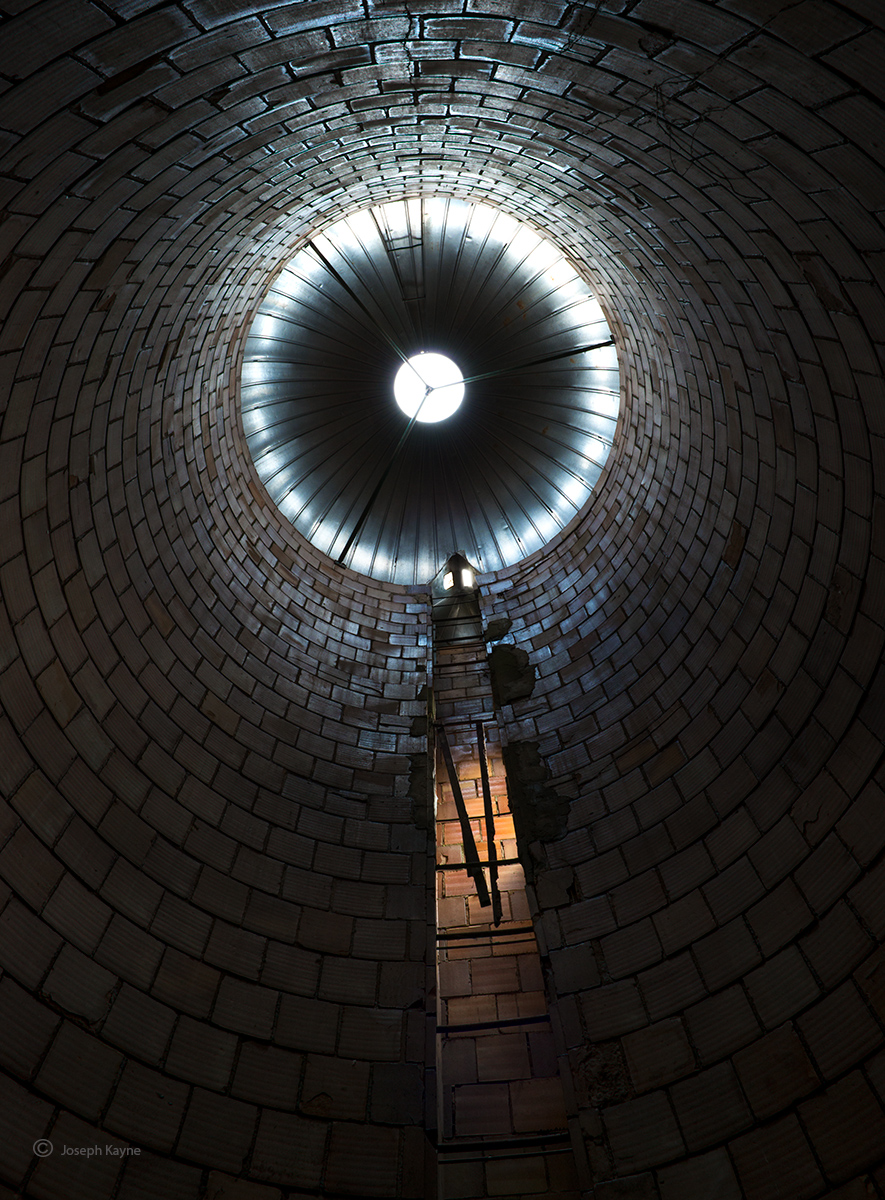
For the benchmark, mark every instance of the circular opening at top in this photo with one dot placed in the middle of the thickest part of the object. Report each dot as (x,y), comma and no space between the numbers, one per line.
(429,387)
(497,476)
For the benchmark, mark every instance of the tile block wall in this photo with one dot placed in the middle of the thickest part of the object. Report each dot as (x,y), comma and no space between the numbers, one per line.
(213,887)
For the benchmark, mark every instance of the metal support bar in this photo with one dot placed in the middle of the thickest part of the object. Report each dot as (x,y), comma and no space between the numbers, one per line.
(537,362)
(481,933)
(490,823)
(552,1143)
(524,943)
(502,862)
(339,278)
(361,520)
(506,1023)
(472,864)
(487,719)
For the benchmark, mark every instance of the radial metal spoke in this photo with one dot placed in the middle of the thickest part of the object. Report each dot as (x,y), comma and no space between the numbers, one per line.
(339,278)
(537,362)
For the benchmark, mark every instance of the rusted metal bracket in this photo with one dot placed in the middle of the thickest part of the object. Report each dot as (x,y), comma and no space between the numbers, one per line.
(472,864)
(490,823)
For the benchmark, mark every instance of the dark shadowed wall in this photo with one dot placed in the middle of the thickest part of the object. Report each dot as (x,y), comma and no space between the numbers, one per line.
(214,862)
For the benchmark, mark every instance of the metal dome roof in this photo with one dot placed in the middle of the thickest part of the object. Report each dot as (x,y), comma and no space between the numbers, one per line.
(497,479)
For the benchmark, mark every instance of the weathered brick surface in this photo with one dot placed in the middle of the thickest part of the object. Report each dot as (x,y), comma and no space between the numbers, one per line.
(784,1144)
(209,871)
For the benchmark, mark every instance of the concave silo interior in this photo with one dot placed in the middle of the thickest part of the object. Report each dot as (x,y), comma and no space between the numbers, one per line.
(215,843)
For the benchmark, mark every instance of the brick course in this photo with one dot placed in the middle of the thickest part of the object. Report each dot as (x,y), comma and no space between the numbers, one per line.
(212,868)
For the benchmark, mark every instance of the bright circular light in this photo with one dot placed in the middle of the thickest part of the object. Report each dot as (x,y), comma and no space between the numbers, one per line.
(429,385)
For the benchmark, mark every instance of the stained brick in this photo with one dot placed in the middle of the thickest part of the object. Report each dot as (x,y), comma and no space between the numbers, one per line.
(148,1176)
(781,987)
(27,1029)
(643,1132)
(138,1024)
(147,1107)
(710,1107)
(784,1143)
(287,1145)
(658,1054)
(700,1177)
(727,954)
(775,1071)
(79,1071)
(208,722)
(82,1177)
(846,1126)
(79,986)
(218,1130)
(721,1024)
(839,1031)
(362,1158)
(267,1075)
(201,1054)
(671,986)
(307,1024)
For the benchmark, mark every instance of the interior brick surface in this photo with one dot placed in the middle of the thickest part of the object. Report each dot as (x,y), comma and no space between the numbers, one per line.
(213,902)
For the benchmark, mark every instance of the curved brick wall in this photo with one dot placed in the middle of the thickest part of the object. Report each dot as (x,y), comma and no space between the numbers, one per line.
(213,870)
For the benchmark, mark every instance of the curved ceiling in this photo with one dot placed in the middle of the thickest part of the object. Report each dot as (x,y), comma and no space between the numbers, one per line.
(495,480)
(208,726)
